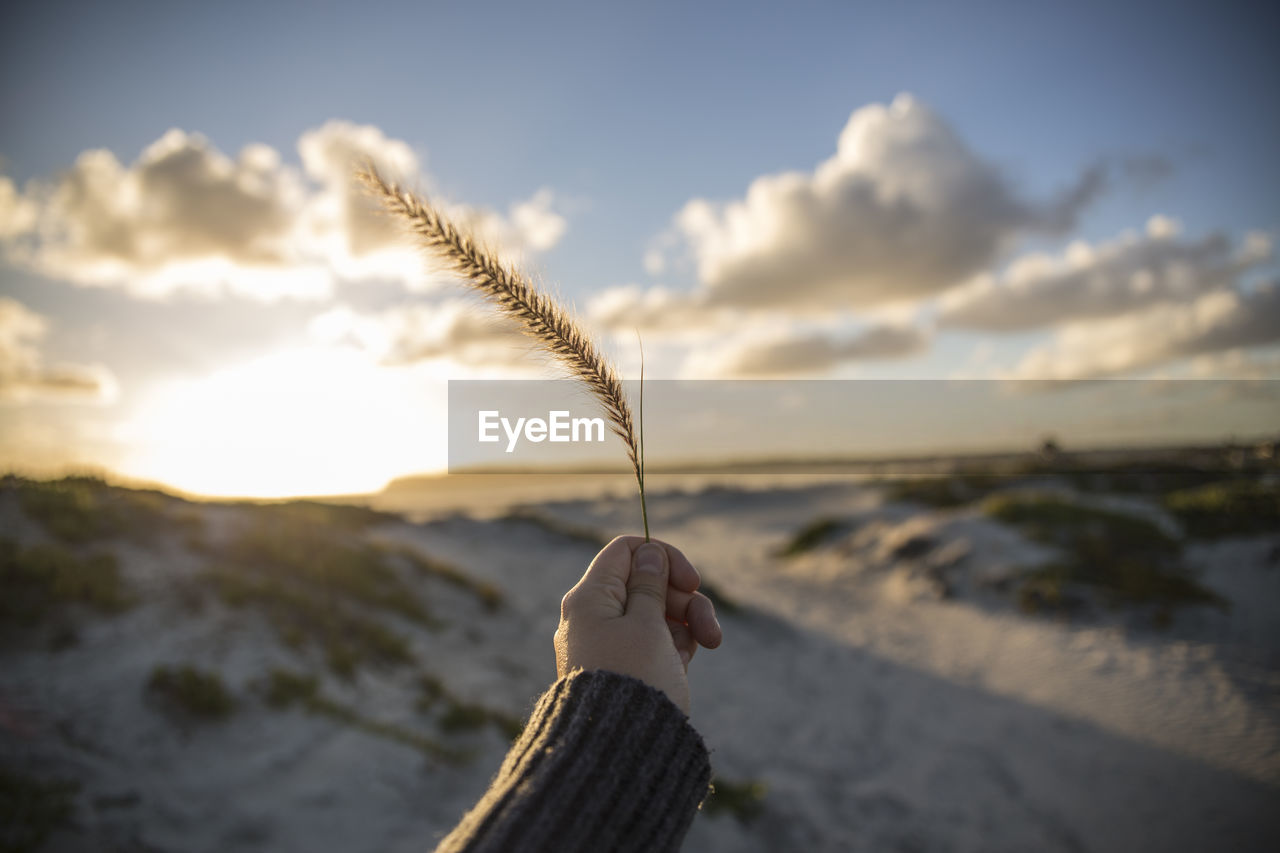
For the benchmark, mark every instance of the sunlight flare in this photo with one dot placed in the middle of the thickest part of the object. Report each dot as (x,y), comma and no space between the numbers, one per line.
(311,421)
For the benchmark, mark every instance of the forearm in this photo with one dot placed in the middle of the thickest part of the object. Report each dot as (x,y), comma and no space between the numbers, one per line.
(606,762)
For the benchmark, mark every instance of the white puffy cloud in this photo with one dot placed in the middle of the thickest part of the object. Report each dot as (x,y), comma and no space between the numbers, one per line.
(186,217)
(1241,363)
(809,353)
(1117,277)
(656,310)
(903,210)
(1215,322)
(182,216)
(456,329)
(340,223)
(17,213)
(535,223)
(23,373)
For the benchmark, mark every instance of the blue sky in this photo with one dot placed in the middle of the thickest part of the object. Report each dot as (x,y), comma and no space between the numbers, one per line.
(625,114)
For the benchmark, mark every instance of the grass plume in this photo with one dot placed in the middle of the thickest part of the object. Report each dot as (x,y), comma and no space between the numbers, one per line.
(536,312)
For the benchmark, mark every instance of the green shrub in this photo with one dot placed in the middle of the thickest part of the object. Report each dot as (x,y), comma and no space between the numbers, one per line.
(304,567)
(460,716)
(1128,559)
(1140,478)
(489,596)
(430,691)
(339,519)
(947,492)
(556,527)
(1057,521)
(73,510)
(1231,508)
(78,510)
(43,579)
(464,716)
(744,800)
(285,689)
(326,558)
(305,614)
(811,536)
(32,809)
(191,691)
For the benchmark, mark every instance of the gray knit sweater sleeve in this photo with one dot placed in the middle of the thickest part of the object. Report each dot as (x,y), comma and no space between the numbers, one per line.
(606,763)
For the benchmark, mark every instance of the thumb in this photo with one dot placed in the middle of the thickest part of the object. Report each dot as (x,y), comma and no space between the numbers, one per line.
(647,583)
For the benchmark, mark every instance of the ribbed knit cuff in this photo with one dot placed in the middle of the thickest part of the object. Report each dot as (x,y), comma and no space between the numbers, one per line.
(606,763)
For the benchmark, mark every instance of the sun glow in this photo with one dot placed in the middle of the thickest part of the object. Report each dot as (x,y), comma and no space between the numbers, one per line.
(319,421)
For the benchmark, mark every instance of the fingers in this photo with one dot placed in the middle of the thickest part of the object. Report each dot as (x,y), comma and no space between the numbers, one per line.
(682,573)
(697,611)
(612,563)
(683,640)
(670,588)
(647,583)
(703,623)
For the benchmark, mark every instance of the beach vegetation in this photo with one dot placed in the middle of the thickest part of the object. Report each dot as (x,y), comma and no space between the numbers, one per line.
(556,526)
(306,616)
(460,716)
(1127,559)
(488,594)
(947,492)
(191,692)
(743,799)
(1240,507)
(809,537)
(287,689)
(81,509)
(43,579)
(32,809)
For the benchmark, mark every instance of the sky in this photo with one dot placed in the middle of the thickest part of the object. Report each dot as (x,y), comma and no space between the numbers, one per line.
(192,293)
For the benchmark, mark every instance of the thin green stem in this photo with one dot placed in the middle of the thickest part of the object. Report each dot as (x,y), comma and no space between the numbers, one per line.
(644,510)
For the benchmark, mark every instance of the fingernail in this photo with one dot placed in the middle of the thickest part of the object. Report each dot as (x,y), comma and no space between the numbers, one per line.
(648,558)
(685,657)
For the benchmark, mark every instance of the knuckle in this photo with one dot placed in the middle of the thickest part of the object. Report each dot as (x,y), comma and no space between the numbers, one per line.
(655,591)
(568,603)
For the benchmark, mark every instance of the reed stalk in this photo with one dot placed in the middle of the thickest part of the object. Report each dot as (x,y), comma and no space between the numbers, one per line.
(538,314)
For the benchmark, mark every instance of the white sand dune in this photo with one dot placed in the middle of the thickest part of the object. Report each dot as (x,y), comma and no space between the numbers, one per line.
(887,697)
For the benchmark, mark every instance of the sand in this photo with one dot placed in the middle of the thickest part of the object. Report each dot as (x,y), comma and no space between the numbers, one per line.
(886,695)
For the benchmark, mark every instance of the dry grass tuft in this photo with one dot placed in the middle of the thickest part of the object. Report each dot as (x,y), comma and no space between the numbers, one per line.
(537,313)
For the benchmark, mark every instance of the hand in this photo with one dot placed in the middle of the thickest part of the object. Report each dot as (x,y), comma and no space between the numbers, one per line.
(637,611)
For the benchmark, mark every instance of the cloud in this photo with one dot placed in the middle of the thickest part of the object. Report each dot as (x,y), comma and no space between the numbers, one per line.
(814,353)
(536,224)
(1144,171)
(1258,363)
(1086,282)
(657,310)
(457,330)
(186,217)
(23,373)
(903,210)
(1219,321)
(17,213)
(182,216)
(340,222)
